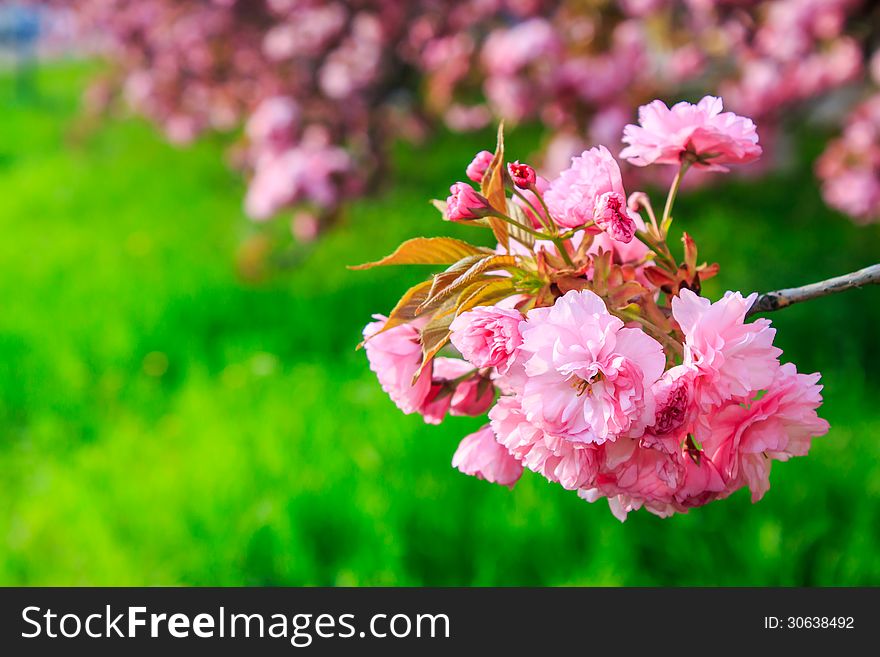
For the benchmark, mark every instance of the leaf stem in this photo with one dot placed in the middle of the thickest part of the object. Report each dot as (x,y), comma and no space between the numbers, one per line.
(560,246)
(541,218)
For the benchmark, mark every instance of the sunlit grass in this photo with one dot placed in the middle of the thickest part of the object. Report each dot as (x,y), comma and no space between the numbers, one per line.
(164,422)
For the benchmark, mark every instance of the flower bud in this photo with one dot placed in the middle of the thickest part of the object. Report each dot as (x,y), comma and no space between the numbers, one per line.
(522,174)
(465,203)
(477,168)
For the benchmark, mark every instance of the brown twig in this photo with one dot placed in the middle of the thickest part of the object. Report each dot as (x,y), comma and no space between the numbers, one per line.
(770,301)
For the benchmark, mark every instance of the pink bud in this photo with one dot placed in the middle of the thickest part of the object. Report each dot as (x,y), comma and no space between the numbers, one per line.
(465,203)
(612,216)
(477,168)
(522,174)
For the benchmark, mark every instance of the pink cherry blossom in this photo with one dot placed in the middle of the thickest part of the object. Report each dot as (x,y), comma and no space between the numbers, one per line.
(488,336)
(478,166)
(614,218)
(574,196)
(454,392)
(742,439)
(572,464)
(674,396)
(732,358)
(632,477)
(701,134)
(587,375)
(465,203)
(481,456)
(395,356)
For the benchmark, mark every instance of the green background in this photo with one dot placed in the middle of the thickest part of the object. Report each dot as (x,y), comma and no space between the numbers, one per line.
(166,420)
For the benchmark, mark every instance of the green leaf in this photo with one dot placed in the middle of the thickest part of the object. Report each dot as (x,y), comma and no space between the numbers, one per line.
(474,272)
(427,251)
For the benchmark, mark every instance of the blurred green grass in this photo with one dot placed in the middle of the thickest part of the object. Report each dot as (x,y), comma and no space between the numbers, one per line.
(163,422)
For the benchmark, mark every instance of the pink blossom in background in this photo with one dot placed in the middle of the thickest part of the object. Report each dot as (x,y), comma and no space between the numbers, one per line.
(480,455)
(732,358)
(702,132)
(488,336)
(850,166)
(274,121)
(395,356)
(308,169)
(356,68)
(506,52)
(587,375)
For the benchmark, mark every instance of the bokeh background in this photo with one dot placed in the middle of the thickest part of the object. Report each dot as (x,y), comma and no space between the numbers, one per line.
(171,413)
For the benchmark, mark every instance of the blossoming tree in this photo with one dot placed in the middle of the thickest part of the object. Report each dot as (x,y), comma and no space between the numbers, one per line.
(323,86)
(586,340)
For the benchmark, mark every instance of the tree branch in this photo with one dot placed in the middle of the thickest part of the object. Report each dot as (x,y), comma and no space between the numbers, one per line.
(783,298)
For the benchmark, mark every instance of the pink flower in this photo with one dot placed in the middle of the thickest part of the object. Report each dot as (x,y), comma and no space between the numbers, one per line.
(448,394)
(477,168)
(395,356)
(523,175)
(481,456)
(732,358)
(676,406)
(632,477)
(742,440)
(488,336)
(573,198)
(465,203)
(633,251)
(274,121)
(572,464)
(472,397)
(701,133)
(613,217)
(587,377)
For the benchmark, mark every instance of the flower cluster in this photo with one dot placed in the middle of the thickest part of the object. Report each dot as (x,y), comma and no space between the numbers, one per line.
(360,74)
(587,342)
(850,166)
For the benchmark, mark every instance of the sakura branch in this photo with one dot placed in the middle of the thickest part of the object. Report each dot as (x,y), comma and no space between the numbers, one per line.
(779,299)
(583,337)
